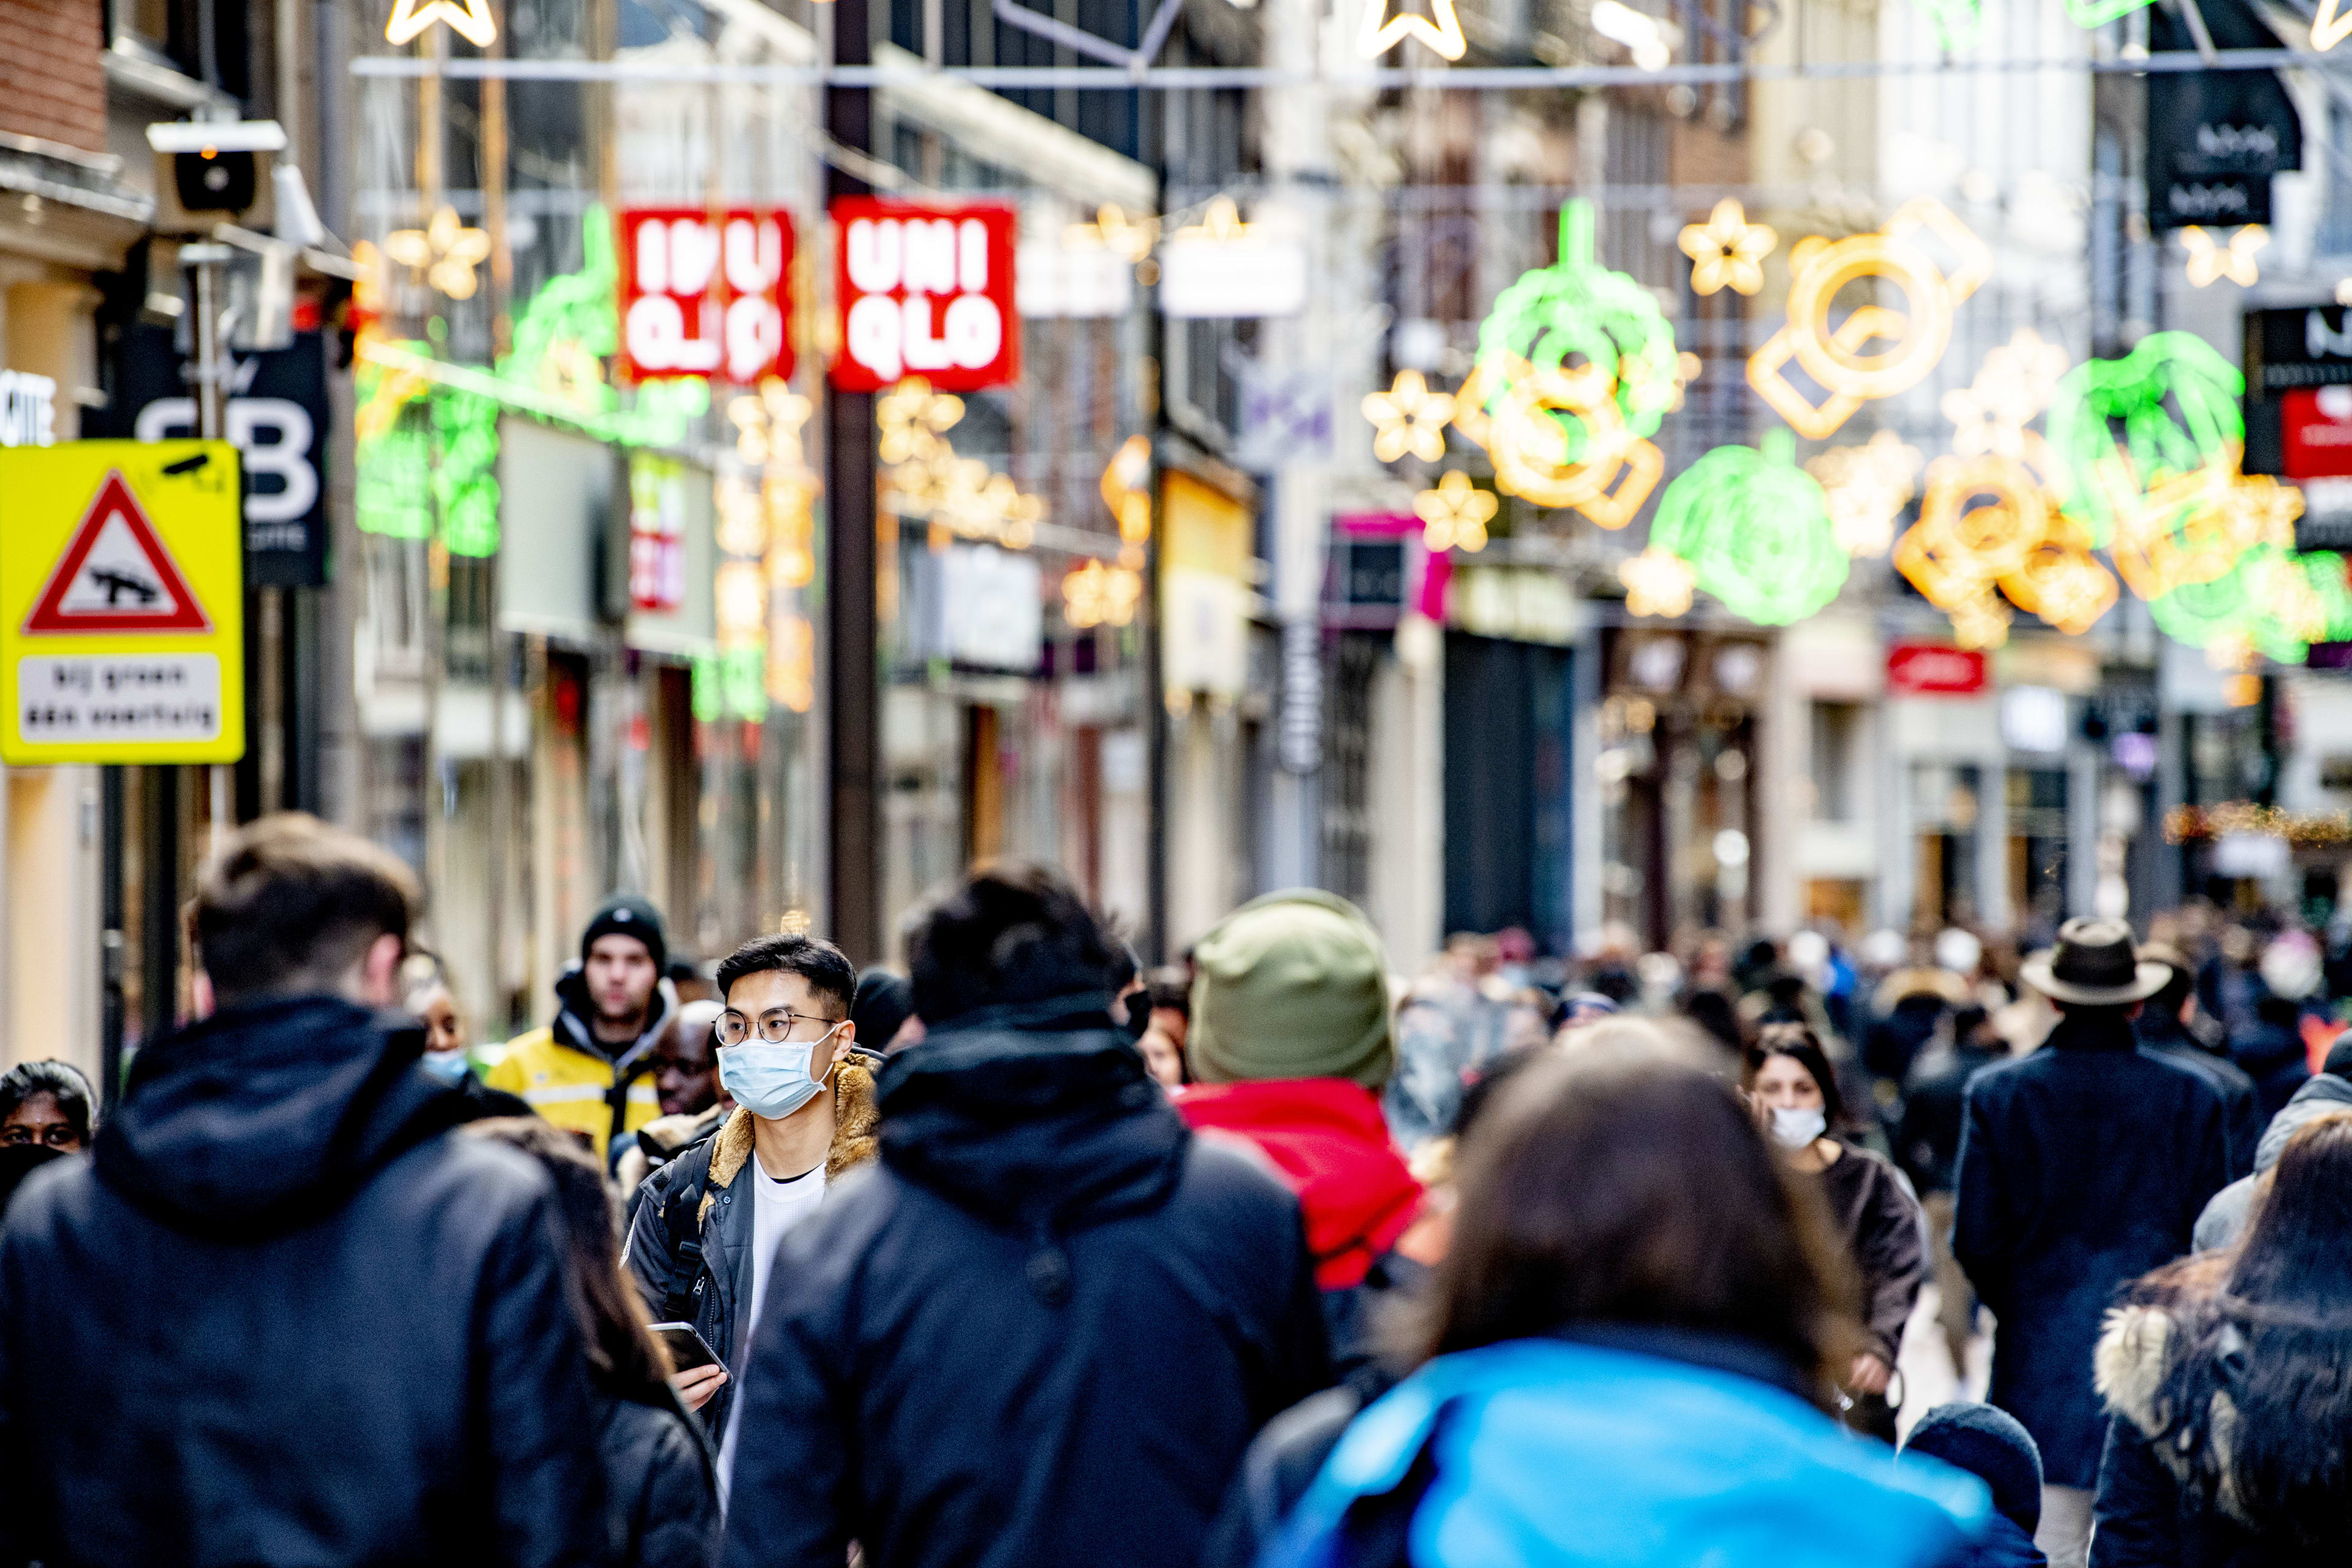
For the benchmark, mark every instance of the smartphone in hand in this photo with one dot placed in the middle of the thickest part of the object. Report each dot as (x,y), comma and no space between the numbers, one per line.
(687,1349)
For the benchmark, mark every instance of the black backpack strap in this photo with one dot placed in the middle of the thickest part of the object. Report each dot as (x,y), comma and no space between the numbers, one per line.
(682,1217)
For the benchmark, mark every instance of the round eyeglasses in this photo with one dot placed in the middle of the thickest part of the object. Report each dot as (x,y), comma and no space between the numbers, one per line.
(775,1027)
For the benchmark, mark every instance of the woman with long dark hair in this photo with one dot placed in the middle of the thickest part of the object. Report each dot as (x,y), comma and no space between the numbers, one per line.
(2229,1376)
(1627,1356)
(1795,1098)
(661,1500)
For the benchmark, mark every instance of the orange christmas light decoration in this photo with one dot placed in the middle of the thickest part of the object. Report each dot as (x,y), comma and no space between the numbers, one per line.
(1536,456)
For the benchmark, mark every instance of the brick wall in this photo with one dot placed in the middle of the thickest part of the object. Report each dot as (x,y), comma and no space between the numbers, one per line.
(52,78)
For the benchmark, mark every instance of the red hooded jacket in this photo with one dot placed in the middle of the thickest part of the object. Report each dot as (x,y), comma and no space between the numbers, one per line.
(1328,1142)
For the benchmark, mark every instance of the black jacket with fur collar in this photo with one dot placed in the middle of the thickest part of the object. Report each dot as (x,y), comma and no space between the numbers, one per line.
(2167,1497)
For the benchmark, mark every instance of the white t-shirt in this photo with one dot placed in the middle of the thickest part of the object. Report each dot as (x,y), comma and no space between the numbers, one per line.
(776,1207)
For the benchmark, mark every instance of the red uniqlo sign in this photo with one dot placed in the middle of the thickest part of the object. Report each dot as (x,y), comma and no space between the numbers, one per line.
(705,295)
(2315,423)
(924,291)
(1930,669)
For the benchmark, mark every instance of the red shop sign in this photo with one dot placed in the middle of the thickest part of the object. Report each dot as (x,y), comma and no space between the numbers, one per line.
(1931,670)
(924,291)
(2315,423)
(705,295)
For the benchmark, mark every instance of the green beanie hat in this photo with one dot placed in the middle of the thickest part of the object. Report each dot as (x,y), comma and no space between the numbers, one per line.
(1291,986)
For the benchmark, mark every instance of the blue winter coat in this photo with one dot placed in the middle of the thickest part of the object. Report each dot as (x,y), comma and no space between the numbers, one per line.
(1564,1454)
(2083,1166)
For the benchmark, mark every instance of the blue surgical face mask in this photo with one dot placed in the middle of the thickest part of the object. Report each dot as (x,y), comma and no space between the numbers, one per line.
(449,1067)
(773,1081)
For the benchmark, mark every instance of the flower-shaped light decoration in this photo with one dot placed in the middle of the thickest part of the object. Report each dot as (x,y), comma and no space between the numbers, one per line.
(1726,250)
(1657,582)
(1755,529)
(913,417)
(445,250)
(2176,402)
(1454,515)
(1096,595)
(2061,581)
(1576,313)
(2210,263)
(1408,418)
(1867,486)
(768,424)
(2014,386)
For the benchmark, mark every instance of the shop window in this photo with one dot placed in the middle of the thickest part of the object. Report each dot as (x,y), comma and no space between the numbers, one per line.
(201,39)
(2037,844)
(1836,756)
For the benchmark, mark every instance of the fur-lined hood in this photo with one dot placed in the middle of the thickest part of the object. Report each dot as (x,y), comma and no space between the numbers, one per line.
(2130,1370)
(856,1117)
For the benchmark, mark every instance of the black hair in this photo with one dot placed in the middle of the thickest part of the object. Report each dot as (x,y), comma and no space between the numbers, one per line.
(2339,1056)
(1009,932)
(2173,992)
(1800,1044)
(825,967)
(1171,988)
(61,1081)
(1124,965)
(1712,1012)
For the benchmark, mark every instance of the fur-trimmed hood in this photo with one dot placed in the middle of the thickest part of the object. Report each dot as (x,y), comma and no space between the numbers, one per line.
(856,1117)
(2131,1370)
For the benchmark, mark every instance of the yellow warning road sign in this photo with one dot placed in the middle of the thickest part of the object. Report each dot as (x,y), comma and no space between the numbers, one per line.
(121,603)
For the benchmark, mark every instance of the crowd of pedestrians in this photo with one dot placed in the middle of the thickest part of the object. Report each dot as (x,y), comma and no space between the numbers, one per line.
(1029,1256)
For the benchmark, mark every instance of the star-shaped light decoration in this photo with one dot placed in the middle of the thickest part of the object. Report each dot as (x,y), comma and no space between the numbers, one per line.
(1456,513)
(445,248)
(1409,418)
(1866,488)
(1441,30)
(767,425)
(469,19)
(1728,250)
(913,417)
(2210,263)
(1114,230)
(1657,582)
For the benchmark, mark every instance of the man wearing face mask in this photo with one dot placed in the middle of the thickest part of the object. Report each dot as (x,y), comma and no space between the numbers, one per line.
(705,1225)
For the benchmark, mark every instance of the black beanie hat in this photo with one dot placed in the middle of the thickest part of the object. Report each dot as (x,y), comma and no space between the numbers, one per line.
(629,915)
(883,1003)
(1993,1446)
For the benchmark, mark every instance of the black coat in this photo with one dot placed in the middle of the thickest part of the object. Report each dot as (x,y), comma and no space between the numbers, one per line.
(1879,1225)
(2081,1166)
(2169,1038)
(2146,1518)
(283,1318)
(1040,1332)
(661,1502)
(1928,1142)
(2272,1055)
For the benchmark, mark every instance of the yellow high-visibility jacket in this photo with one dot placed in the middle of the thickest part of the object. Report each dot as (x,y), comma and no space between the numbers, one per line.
(559,1071)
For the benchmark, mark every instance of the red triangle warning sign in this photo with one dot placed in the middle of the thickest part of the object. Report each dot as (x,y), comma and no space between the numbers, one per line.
(116,577)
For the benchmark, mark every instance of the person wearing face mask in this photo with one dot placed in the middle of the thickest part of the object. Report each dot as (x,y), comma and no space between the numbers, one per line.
(705,1226)
(448,1057)
(1794,1096)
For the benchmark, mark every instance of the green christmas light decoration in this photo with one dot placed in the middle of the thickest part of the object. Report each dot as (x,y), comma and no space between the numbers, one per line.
(1958,24)
(1575,312)
(2099,13)
(730,684)
(465,477)
(1756,530)
(2101,478)
(2273,601)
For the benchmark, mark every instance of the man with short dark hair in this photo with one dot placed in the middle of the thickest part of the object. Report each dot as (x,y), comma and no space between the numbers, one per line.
(2162,1026)
(804,1114)
(2083,1166)
(1042,1329)
(281,1317)
(591,1071)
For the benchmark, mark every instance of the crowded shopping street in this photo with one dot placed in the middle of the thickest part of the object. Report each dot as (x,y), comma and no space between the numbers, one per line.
(1403,784)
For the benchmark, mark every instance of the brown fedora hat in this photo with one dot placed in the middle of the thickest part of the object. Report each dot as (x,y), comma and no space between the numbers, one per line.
(2094,966)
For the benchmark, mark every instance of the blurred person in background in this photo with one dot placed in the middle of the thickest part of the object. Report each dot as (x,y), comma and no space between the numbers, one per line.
(1626,1357)
(2266,1040)
(47,1105)
(591,1071)
(1167,1027)
(301,1322)
(1041,1330)
(693,1101)
(2326,1092)
(1796,1102)
(2230,1378)
(2162,1026)
(881,1009)
(425,992)
(1989,1445)
(2082,1165)
(1928,1148)
(1290,1048)
(1910,1003)
(705,1226)
(661,1499)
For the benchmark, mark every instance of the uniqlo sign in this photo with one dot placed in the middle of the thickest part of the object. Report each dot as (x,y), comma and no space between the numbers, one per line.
(704,295)
(924,291)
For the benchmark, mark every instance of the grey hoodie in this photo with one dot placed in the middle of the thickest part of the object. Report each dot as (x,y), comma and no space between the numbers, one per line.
(2225,1217)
